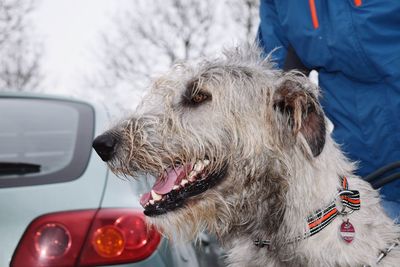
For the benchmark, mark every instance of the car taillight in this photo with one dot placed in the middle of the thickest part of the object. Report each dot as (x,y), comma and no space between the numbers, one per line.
(86,238)
(52,240)
(119,236)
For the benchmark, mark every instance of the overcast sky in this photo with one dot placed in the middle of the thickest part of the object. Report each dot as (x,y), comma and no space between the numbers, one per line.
(70,30)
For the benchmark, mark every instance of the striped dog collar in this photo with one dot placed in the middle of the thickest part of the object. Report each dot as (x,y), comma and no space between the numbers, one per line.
(350,201)
(320,219)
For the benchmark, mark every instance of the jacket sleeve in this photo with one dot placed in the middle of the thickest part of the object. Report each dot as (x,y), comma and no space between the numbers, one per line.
(270,35)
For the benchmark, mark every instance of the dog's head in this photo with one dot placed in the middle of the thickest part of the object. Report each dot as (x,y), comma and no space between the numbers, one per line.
(215,136)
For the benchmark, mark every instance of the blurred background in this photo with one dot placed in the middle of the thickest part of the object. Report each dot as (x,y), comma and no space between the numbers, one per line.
(108,51)
(60,205)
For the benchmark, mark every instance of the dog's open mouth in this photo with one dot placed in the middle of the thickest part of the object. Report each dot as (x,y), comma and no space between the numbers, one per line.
(177,184)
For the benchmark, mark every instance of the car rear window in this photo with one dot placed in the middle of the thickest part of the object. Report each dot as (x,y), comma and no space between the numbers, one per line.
(43,140)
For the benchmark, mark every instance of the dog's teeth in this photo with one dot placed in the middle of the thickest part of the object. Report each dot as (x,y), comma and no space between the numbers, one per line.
(155,196)
(175,187)
(206,162)
(151,201)
(198,166)
(184,181)
(192,176)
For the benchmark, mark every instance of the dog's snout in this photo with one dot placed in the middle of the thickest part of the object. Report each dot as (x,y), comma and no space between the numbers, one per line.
(105,145)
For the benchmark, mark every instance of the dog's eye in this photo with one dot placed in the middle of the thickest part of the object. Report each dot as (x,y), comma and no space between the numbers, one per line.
(195,94)
(199,97)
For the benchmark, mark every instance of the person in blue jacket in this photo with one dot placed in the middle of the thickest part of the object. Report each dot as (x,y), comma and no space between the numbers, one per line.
(355,47)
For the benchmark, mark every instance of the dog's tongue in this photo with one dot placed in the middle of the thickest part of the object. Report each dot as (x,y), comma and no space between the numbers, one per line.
(171,177)
(145,198)
(165,183)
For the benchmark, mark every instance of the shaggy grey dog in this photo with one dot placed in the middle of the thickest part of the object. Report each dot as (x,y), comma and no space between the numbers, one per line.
(241,150)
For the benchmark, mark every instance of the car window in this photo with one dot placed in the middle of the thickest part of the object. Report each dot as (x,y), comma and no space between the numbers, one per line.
(43,140)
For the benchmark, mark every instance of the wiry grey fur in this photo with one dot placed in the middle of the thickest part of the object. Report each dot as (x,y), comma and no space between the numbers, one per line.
(282,165)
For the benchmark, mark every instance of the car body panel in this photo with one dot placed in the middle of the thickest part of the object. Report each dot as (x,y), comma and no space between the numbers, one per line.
(21,205)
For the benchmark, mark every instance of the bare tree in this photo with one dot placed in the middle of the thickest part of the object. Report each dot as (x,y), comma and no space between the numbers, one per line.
(150,36)
(10,19)
(20,55)
(245,15)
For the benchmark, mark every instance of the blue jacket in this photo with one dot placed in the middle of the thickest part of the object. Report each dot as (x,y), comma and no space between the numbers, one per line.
(355,46)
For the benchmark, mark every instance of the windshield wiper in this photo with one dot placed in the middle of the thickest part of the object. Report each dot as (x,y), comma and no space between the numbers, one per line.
(10,168)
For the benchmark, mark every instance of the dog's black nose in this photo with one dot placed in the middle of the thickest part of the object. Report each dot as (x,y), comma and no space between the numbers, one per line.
(105,146)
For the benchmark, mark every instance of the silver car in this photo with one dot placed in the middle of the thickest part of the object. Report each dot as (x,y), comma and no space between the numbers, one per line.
(60,206)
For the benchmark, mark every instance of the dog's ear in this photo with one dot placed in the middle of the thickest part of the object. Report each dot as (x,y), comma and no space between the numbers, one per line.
(302,112)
